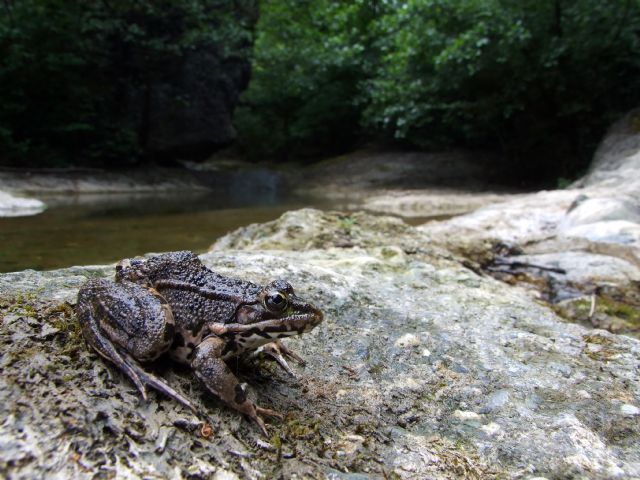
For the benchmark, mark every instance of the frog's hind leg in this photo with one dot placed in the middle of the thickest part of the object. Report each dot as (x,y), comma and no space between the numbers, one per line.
(107,329)
(108,351)
(146,378)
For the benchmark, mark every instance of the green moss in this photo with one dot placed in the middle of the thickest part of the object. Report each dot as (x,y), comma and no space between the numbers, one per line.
(298,429)
(63,318)
(599,348)
(346,224)
(614,314)
(21,304)
(621,310)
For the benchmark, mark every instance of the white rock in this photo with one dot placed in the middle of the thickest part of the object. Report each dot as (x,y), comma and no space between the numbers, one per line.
(11,206)
(602,209)
(491,428)
(407,340)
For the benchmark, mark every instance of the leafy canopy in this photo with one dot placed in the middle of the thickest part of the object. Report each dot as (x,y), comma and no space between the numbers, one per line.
(538,80)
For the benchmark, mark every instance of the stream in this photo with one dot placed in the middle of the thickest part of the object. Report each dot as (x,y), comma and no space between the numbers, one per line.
(91,229)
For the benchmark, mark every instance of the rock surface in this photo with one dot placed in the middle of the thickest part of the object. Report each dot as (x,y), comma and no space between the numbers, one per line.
(422,369)
(405,183)
(566,244)
(11,206)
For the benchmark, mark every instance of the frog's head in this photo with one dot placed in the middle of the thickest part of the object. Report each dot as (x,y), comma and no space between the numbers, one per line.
(131,269)
(276,312)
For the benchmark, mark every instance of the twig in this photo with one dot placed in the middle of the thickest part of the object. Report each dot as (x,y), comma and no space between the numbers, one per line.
(592,310)
(530,265)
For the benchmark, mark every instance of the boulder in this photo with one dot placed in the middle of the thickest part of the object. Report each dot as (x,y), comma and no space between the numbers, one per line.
(421,369)
(616,163)
(601,209)
(564,244)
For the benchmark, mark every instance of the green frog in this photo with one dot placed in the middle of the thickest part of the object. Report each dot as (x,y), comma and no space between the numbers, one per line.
(172,303)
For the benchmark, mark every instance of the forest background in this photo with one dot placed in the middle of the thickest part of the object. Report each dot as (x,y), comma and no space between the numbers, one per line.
(103,83)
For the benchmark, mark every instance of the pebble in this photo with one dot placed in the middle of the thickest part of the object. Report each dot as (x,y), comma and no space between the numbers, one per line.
(629,410)
(466,415)
(407,340)
(491,428)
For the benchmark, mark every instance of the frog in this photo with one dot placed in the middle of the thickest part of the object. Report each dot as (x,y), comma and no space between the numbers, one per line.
(173,304)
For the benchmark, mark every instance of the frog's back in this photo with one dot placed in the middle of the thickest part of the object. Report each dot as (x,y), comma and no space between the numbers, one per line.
(198,296)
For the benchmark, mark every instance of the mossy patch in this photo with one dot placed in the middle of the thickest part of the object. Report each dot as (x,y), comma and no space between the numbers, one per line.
(63,318)
(602,311)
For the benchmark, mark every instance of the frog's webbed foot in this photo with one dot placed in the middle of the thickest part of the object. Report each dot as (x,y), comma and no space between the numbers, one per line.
(280,353)
(216,376)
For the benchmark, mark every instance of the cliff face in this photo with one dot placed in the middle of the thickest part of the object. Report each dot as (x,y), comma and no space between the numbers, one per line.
(177,85)
(113,83)
(188,112)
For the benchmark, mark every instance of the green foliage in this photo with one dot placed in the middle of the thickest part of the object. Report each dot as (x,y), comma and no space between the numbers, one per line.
(69,69)
(308,61)
(538,80)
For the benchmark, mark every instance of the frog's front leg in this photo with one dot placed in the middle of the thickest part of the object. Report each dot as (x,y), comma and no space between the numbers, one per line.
(279,352)
(211,369)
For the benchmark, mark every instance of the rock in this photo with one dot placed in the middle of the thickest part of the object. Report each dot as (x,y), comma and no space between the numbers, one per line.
(603,209)
(371,169)
(564,244)
(507,387)
(525,218)
(310,228)
(11,206)
(192,104)
(584,268)
(95,181)
(434,203)
(617,160)
(629,410)
(622,232)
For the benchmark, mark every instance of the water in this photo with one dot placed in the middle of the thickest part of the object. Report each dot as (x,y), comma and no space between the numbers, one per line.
(85,230)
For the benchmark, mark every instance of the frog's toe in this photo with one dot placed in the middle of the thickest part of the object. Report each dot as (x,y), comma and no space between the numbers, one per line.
(269,412)
(264,411)
(258,421)
(279,352)
(142,379)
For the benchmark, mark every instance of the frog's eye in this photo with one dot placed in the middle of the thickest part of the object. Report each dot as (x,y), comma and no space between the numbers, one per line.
(275,301)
